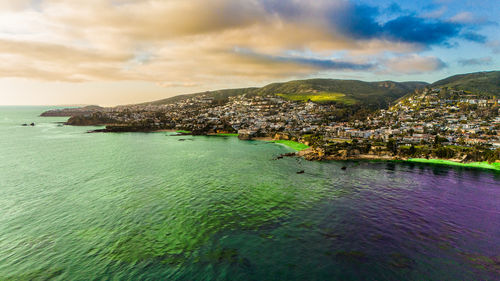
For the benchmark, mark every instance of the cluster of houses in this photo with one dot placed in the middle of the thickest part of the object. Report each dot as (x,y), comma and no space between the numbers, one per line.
(253,115)
(458,117)
(461,118)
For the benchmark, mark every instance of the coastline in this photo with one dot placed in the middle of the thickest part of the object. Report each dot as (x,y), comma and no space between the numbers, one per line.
(307,152)
(297,146)
(441,162)
(481,165)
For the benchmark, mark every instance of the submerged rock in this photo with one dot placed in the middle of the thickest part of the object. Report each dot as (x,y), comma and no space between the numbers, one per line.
(291,154)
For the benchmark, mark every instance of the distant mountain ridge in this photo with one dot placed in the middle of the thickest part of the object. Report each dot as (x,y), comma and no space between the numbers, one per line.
(372,94)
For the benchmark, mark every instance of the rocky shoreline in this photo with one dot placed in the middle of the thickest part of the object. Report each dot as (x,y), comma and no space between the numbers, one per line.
(313,155)
(309,154)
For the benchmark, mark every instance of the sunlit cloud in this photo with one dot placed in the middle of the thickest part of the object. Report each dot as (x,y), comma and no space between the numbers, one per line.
(178,43)
(414,64)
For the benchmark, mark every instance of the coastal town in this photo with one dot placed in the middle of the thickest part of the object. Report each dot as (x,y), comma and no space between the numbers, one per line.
(430,123)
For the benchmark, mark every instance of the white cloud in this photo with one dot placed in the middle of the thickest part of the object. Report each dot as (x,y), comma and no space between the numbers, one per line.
(175,42)
(413,64)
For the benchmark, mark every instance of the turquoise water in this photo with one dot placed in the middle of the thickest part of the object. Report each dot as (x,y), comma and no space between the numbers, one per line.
(135,206)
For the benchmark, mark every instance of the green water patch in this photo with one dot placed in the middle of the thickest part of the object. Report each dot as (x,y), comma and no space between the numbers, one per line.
(292,144)
(186,221)
(481,165)
(37,274)
(183,132)
(134,206)
(489,263)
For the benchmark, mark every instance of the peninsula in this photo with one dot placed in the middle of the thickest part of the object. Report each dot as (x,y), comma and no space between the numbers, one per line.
(455,119)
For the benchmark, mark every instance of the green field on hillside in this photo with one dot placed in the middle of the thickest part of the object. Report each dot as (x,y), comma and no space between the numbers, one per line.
(292,144)
(319,97)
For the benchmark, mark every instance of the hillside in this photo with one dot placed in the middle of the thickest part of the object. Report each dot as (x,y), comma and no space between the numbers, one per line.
(483,83)
(372,94)
(72,111)
(218,95)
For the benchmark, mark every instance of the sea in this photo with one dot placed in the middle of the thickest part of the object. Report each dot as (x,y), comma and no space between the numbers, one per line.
(156,206)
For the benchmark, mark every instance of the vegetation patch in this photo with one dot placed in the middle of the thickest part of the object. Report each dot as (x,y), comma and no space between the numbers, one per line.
(319,97)
(292,144)
(183,132)
(482,165)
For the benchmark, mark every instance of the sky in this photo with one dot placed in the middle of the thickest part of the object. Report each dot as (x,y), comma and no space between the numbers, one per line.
(111,52)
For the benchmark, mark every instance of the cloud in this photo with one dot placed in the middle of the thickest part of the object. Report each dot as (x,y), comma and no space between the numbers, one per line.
(463,17)
(326,64)
(320,64)
(471,19)
(413,29)
(494,45)
(18,5)
(360,22)
(413,64)
(476,61)
(176,84)
(474,37)
(434,14)
(175,42)
(49,61)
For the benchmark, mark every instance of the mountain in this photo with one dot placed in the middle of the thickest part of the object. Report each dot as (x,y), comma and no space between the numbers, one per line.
(371,94)
(483,83)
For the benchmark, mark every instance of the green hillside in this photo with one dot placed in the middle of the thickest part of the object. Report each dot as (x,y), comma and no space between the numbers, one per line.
(485,83)
(355,92)
(373,94)
(349,92)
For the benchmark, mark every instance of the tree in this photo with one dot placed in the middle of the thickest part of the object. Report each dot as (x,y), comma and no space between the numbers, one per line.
(392,146)
(413,150)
